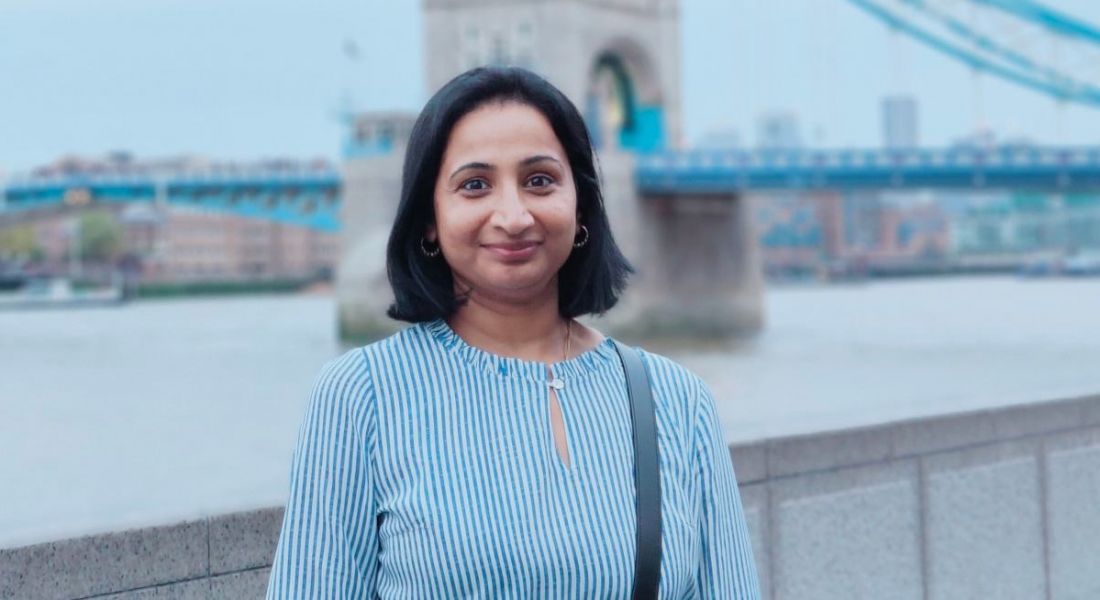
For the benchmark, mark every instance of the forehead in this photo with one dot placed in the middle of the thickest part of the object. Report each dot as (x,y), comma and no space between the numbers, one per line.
(500,132)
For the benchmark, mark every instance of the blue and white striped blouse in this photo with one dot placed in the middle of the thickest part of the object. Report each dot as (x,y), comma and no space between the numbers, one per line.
(426,468)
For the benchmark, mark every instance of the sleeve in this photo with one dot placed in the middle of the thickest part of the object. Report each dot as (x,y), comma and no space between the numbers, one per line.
(328,543)
(726,568)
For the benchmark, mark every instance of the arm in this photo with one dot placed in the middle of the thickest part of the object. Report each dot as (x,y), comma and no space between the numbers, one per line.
(726,569)
(328,543)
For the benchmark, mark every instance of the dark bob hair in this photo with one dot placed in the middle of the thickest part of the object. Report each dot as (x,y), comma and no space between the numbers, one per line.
(593,276)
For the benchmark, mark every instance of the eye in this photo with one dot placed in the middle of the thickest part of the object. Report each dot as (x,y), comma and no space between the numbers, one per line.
(474,185)
(540,181)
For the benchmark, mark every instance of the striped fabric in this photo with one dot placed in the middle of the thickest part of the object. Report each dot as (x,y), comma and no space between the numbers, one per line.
(426,468)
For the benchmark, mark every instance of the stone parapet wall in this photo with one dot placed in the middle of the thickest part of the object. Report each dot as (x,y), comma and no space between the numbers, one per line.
(226,557)
(1001,503)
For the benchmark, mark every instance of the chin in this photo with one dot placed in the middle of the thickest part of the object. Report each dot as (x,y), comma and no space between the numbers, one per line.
(516,281)
(514,284)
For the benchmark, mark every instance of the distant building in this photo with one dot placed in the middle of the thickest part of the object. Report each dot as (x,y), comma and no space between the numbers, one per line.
(804,233)
(778,131)
(899,122)
(1027,223)
(791,234)
(863,217)
(175,242)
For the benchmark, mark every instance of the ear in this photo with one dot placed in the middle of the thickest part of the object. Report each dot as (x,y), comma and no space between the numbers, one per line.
(430,233)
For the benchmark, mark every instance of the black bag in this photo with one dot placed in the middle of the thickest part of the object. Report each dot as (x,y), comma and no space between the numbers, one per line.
(647,475)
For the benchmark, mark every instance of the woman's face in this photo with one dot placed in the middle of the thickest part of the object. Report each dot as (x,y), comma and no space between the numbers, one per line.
(505,203)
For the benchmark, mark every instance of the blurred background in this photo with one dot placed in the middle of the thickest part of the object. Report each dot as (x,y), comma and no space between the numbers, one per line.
(854,214)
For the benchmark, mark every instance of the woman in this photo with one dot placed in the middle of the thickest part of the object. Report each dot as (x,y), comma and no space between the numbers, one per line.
(486,450)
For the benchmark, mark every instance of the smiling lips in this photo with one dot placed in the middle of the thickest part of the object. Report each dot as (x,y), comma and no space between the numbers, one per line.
(511,251)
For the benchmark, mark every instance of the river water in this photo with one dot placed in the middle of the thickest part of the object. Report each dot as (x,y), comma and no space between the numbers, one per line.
(164,410)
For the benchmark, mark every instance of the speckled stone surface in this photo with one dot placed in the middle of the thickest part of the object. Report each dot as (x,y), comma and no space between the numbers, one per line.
(1073,498)
(106,563)
(245,585)
(196,589)
(1032,419)
(750,462)
(755,500)
(984,523)
(848,535)
(923,436)
(791,456)
(244,540)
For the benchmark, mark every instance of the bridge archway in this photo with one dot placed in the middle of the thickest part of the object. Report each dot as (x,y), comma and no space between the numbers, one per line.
(623,104)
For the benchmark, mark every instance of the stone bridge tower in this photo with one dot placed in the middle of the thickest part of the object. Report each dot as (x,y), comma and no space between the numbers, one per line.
(619,62)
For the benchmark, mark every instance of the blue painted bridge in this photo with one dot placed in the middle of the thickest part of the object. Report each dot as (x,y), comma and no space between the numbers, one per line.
(312,198)
(1038,168)
(307,198)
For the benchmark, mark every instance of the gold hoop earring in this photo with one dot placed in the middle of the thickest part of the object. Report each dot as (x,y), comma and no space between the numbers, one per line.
(584,241)
(429,253)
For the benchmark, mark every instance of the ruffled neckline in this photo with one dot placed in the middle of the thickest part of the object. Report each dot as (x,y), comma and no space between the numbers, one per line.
(599,357)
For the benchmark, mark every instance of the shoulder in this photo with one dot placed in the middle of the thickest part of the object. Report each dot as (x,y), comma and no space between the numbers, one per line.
(346,384)
(677,390)
(361,366)
(342,377)
(355,367)
(410,343)
(670,375)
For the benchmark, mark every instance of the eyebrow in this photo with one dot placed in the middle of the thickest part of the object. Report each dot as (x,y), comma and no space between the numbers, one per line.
(488,167)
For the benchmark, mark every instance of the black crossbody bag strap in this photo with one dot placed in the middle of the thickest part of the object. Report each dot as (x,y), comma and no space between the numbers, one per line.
(647,476)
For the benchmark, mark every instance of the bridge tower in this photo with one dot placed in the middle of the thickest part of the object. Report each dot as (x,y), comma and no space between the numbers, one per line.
(619,62)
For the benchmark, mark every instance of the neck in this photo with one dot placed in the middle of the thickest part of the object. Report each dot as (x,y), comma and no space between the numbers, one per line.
(530,330)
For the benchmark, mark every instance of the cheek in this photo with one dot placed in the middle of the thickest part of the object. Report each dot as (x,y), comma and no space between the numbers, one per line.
(457,223)
(563,217)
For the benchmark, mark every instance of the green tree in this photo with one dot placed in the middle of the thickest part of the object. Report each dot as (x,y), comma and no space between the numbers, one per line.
(19,242)
(100,237)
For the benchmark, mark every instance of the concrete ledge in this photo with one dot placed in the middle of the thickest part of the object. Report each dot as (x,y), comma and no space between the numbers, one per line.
(105,563)
(243,584)
(220,557)
(243,541)
(798,455)
(849,533)
(757,514)
(984,526)
(196,589)
(820,452)
(750,462)
(996,503)
(1072,468)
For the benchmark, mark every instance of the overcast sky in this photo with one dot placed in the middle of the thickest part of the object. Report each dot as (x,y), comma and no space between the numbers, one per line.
(245,79)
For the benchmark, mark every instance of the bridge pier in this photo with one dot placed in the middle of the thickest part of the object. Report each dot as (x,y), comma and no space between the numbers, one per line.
(372,188)
(699,272)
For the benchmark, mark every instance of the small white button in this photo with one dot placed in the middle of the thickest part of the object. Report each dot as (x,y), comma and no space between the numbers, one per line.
(557,384)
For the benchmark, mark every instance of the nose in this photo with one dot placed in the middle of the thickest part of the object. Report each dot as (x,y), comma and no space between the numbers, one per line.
(510,212)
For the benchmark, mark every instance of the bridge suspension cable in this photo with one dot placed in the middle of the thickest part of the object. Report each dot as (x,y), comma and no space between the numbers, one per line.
(1055,21)
(986,51)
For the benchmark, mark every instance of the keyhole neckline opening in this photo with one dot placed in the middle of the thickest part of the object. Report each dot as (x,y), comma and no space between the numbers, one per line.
(553,398)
